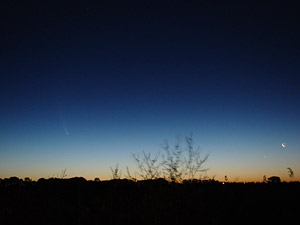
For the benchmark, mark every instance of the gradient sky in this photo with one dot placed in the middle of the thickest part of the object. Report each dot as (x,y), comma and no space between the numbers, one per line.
(83,85)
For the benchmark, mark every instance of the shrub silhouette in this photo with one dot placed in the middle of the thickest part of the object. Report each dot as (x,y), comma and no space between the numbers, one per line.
(274,179)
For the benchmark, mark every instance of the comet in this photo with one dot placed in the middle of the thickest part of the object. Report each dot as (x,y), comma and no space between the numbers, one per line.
(64,126)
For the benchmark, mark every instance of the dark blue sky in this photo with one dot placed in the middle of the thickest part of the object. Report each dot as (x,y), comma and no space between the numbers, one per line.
(85,84)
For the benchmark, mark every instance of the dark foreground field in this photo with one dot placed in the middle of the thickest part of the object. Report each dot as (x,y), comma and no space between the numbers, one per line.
(76,201)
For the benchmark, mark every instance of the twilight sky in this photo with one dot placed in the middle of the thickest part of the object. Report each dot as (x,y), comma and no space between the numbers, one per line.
(83,85)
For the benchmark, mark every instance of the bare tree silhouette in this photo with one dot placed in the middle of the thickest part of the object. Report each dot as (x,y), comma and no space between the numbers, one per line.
(148,166)
(63,173)
(116,173)
(194,161)
(173,162)
(129,177)
(183,163)
(176,164)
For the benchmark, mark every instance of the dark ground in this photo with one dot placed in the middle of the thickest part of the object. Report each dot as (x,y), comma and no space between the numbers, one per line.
(77,201)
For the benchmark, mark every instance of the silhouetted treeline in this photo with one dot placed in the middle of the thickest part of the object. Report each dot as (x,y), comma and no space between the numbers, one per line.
(78,201)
